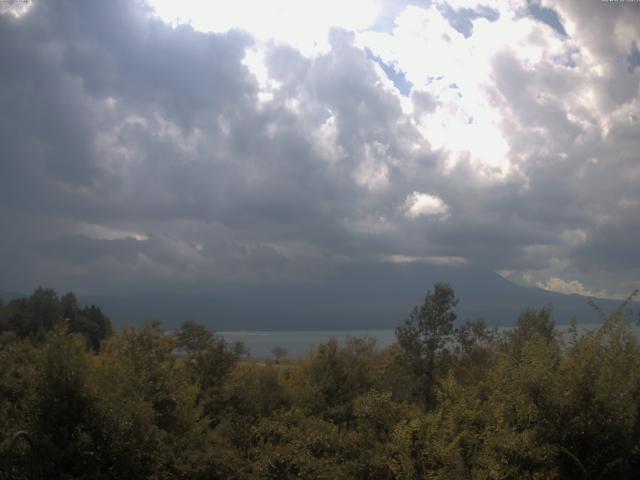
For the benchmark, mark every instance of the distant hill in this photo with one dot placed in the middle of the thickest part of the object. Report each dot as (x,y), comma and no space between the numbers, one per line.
(6,296)
(372,296)
(358,297)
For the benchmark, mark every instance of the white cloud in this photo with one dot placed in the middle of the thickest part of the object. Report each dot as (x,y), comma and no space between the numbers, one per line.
(105,232)
(556,284)
(425,205)
(254,60)
(15,8)
(444,261)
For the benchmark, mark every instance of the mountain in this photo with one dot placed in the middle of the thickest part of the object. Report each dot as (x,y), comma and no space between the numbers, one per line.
(7,296)
(377,296)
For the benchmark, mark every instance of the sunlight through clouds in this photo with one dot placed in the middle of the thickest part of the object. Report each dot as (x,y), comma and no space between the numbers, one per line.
(455,71)
(303,24)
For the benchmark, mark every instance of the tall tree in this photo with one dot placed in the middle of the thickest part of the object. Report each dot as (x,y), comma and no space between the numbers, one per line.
(532,323)
(193,337)
(426,334)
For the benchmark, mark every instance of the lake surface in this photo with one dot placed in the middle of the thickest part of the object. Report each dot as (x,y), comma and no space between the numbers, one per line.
(300,343)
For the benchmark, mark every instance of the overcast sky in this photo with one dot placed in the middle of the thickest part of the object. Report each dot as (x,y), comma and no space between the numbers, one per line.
(177,146)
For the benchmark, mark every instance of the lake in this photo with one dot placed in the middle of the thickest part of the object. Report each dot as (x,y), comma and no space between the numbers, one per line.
(300,343)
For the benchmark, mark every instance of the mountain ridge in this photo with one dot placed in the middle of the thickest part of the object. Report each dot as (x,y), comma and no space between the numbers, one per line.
(367,296)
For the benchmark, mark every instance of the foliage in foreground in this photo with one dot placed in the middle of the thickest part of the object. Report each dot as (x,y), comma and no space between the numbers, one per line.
(443,402)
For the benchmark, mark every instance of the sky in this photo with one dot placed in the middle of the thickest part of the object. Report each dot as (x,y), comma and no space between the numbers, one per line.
(181,146)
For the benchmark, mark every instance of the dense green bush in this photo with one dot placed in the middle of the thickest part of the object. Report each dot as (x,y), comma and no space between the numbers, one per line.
(444,402)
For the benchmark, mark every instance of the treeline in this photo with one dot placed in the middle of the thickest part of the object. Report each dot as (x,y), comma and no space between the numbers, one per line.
(443,402)
(34,317)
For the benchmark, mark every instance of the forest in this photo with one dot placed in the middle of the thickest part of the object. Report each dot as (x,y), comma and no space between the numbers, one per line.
(448,400)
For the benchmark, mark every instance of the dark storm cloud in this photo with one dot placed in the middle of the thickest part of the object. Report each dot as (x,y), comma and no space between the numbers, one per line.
(102,104)
(139,156)
(63,61)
